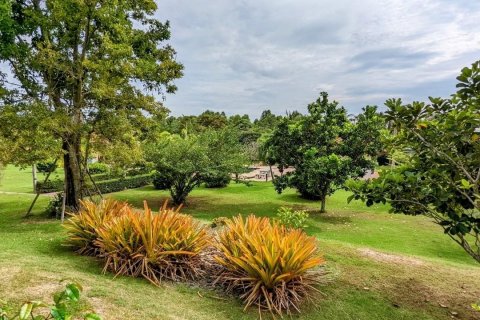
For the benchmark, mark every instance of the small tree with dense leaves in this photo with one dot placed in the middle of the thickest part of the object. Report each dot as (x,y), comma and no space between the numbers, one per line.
(185,162)
(325,148)
(441,175)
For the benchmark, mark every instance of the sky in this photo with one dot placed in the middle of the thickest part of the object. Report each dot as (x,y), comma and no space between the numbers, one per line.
(244,56)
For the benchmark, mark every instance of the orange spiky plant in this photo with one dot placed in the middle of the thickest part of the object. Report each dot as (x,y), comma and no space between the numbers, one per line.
(267,265)
(167,245)
(82,227)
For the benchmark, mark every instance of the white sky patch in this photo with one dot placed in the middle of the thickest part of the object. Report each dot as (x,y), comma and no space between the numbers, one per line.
(242,56)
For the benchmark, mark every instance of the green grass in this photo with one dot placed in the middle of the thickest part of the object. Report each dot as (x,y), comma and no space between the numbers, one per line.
(33,260)
(14,179)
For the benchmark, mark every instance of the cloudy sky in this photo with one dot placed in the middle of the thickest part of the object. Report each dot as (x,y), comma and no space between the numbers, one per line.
(242,56)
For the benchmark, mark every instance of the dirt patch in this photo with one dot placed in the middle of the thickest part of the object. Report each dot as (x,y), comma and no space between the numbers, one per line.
(390,258)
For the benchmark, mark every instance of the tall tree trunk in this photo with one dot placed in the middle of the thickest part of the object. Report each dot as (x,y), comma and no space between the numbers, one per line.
(73,174)
(322,208)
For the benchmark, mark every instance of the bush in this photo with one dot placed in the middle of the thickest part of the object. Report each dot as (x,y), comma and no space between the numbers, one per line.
(292,219)
(267,265)
(82,227)
(50,186)
(122,184)
(161,181)
(98,167)
(216,180)
(61,310)
(107,186)
(159,246)
(46,167)
(54,207)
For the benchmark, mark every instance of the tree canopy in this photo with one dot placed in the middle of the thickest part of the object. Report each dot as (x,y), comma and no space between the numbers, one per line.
(89,66)
(440,176)
(324,147)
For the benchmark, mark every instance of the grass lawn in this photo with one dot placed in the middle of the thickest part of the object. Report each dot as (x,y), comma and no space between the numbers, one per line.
(382,266)
(15,179)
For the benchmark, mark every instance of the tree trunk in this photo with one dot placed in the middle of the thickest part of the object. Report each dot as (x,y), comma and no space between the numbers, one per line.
(322,208)
(73,174)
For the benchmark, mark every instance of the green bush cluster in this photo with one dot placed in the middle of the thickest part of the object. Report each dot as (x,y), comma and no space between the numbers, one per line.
(46,167)
(105,186)
(98,167)
(292,219)
(125,183)
(217,180)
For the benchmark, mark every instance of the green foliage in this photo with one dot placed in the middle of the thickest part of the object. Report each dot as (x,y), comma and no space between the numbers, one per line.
(60,310)
(105,186)
(441,176)
(324,147)
(267,265)
(159,246)
(46,167)
(98,167)
(56,185)
(216,180)
(292,219)
(123,183)
(83,227)
(54,207)
(185,162)
(88,73)
(161,181)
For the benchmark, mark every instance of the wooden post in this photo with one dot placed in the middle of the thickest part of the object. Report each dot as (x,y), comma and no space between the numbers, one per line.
(34,176)
(64,199)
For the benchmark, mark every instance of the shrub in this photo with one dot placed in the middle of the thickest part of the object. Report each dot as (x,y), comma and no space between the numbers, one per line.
(159,246)
(50,186)
(216,180)
(106,186)
(161,181)
(292,219)
(46,167)
(60,310)
(122,184)
(82,227)
(54,207)
(98,167)
(267,265)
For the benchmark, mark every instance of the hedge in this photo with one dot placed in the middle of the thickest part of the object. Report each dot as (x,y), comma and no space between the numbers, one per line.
(106,186)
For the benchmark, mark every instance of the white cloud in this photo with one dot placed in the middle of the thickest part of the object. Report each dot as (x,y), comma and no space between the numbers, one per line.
(242,56)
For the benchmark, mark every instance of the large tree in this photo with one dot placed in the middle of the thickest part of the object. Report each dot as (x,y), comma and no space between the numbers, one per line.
(440,174)
(324,147)
(89,64)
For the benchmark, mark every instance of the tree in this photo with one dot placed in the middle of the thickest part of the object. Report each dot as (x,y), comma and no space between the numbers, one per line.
(183,163)
(84,63)
(325,148)
(267,121)
(227,156)
(212,120)
(441,177)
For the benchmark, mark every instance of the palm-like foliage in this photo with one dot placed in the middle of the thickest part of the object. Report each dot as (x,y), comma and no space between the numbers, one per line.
(267,265)
(159,246)
(82,227)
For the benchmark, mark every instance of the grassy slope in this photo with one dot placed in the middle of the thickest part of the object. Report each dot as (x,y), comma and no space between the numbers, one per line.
(32,260)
